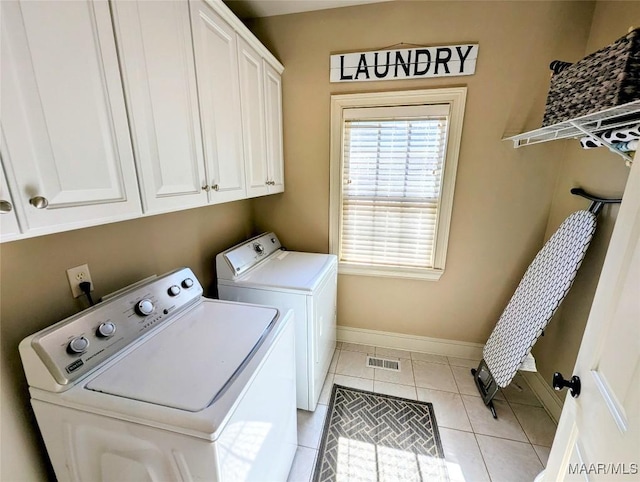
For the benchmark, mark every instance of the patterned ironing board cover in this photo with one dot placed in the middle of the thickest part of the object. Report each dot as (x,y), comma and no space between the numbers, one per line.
(538,296)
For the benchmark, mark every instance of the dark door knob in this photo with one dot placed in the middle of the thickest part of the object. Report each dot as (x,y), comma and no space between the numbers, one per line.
(573,385)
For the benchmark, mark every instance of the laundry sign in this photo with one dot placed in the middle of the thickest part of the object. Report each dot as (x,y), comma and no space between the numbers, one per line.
(414,63)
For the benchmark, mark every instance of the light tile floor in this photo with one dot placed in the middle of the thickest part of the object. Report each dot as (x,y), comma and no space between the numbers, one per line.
(513,448)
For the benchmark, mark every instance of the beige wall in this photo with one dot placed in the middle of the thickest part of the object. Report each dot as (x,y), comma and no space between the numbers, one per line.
(502,196)
(34,293)
(602,173)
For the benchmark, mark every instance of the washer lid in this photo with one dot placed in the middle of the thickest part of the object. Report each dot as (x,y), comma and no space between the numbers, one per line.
(290,270)
(187,365)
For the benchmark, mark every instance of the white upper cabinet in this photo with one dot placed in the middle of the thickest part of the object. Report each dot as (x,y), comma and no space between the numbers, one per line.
(273,126)
(261,99)
(110,110)
(214,43)
(184,111)
(253,126)
(68,152)
(158,71)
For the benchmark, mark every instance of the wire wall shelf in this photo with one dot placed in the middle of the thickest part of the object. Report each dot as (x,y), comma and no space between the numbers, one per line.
(622,116)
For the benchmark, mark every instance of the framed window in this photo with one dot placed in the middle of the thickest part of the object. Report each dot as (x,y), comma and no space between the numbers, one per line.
(393,166)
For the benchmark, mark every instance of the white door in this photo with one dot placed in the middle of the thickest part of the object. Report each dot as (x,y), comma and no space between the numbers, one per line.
(63,115)
(158,70)
(598,437)
(9,227)
(273,125)
(253,119)
(214,42)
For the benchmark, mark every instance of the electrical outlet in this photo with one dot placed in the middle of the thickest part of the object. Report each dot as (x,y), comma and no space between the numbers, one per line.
(76,276)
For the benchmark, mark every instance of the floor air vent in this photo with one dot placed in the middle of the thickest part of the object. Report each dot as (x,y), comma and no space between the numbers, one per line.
(385,364)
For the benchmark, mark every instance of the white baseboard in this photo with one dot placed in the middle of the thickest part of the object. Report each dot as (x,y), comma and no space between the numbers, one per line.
(400,341)
(547,395)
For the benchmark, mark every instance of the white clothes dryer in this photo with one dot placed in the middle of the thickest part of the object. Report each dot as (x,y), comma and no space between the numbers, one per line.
(159,383)
(260,271)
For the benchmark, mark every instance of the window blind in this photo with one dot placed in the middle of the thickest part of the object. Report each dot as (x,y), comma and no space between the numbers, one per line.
(392,178)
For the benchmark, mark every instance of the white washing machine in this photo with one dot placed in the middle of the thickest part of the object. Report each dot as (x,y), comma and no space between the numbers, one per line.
(159,383)
(260,271)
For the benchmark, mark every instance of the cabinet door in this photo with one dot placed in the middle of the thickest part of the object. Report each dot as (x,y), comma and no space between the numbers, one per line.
(253,119)
(154,40)
(9,227)
(273,125)
(63,115)
(214,43)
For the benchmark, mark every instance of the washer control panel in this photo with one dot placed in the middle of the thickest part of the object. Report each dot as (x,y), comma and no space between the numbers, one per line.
(75,346)
(246,255)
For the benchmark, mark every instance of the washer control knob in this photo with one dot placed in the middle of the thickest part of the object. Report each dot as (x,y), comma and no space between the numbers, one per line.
(144,307)
(187,283)
(174,290)
(258,248)
(78,345)
(106,329)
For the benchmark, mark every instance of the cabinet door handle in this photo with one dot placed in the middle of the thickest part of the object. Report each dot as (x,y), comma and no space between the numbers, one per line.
(206,187)
(39,202)
(215,187)
(5,207)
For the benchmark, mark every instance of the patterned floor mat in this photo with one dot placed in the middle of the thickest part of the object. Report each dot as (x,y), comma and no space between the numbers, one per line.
(373,437)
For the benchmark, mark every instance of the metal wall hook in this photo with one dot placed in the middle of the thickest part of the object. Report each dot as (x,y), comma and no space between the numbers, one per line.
(597,203)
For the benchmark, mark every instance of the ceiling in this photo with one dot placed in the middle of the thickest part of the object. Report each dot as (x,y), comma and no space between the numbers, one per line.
(267,8)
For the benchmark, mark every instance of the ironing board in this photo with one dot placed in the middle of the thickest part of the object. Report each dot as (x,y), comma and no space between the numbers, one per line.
(536,299)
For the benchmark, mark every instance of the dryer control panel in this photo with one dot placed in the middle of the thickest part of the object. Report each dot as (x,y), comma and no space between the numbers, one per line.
(75,346)
(235,261)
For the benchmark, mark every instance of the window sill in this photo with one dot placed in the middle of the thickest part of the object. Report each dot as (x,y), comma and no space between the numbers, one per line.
(426,274)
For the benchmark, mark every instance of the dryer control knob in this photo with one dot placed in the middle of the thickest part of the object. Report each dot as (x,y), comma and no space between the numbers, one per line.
(144,307)
(78,345)
(174,290)
(258,248)
(187,283)
(106,329)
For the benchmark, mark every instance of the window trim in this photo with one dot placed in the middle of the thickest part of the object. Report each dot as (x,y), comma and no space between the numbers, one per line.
(456,98)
